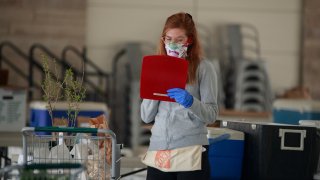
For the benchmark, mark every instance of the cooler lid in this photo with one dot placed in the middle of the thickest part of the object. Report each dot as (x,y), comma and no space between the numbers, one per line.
(297,104)
(255,124)
(234,135)
(313,123)
(63,105)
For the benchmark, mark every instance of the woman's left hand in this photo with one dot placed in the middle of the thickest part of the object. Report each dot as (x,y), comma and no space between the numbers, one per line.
(181,96)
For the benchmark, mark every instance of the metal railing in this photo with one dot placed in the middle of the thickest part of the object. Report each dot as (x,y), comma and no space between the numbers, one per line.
(35,65)
(17,69)
(95,71)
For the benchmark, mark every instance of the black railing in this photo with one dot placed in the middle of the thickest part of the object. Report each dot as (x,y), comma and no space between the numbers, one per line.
(20,53)
(35,65)
(78,53)
(14,48)
(95,71)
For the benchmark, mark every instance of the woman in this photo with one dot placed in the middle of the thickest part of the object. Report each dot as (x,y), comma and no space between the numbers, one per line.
(180,127)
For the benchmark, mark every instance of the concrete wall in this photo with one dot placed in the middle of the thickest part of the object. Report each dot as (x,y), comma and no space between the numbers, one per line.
(114,22)
(311,47)
(53,23)
(105,25)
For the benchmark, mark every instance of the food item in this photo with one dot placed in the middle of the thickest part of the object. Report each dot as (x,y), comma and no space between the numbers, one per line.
(105,144)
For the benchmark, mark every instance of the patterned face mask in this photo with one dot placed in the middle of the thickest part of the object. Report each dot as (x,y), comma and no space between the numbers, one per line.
(176,49)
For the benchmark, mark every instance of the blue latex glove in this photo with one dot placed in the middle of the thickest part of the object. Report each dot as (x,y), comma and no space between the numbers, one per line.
(181,96)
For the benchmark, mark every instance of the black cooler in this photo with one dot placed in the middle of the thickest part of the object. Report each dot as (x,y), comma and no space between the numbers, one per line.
(278,151)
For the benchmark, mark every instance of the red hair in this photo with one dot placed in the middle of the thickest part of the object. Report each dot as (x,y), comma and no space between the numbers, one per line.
(184,21)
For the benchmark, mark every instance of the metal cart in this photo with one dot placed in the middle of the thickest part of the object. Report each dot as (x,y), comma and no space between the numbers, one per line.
(66,171)
(88,146)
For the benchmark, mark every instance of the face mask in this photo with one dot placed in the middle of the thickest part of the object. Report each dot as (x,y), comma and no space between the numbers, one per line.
(176,50)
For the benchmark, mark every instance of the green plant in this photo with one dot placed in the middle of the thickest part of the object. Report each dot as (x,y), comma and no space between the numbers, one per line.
(74,94)
(51,86)
(70,89)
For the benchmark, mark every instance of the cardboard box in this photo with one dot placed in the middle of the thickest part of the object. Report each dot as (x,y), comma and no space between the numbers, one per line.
(12,109)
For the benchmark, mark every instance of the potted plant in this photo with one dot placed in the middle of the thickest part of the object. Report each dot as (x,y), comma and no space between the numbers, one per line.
(55,89)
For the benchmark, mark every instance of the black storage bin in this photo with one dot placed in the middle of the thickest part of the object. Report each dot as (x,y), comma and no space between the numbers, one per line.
(276,151)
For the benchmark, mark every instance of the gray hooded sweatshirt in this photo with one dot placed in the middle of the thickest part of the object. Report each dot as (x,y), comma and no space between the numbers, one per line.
(176,126)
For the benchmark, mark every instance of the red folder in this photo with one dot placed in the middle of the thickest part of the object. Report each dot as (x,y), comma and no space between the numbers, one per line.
(160,73)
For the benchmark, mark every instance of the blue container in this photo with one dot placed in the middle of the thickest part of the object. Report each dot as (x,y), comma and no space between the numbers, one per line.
(39,115)
(225,153)
(290,111)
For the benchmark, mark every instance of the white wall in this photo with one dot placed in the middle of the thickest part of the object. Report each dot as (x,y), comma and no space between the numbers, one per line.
(111,23)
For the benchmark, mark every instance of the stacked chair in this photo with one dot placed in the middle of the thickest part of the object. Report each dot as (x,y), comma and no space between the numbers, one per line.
(247,84)
(252,87)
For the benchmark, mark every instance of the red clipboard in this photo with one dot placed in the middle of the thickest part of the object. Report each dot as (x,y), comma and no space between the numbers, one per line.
(160,73)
